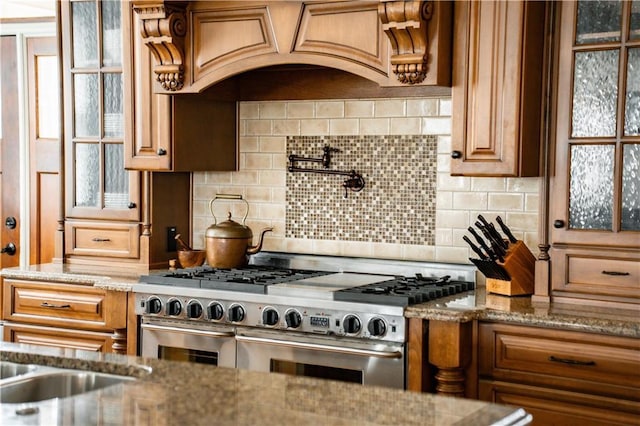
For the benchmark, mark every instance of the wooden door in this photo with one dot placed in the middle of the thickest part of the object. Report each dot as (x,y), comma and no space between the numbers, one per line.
(44,148)
(9,152)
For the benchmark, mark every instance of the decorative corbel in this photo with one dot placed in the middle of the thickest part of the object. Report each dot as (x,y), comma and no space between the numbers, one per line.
(405,24)
(163,27)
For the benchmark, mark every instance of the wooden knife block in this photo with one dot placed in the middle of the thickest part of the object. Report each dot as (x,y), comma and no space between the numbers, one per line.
(520,264)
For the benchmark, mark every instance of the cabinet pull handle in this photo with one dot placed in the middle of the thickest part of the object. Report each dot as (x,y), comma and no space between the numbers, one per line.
(616,273)
(571,361)
(52,306)
(100,240)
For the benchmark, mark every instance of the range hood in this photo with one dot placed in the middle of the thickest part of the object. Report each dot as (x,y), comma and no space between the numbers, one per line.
(385,46)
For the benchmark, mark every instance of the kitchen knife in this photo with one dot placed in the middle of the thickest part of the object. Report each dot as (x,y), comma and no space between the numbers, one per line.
(480,241)
(475,248)
(496,246)
(493,231)
(506,230)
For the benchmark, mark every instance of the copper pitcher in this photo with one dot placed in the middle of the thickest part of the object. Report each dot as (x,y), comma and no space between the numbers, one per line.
(228,244)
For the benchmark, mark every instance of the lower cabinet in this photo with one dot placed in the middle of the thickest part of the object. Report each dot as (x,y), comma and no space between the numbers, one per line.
(559,376)
(64,315)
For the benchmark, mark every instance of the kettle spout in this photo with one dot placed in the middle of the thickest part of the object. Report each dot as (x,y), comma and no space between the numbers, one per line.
(255,249)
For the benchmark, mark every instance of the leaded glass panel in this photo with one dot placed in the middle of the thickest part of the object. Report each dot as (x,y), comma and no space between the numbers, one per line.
(86,105)
(598,21)
(113,111)
(111,33)
(631,188)
(632,101)
(85,34)
(634,32)
(87,174)
(591,187)
(595,93)
(116,185)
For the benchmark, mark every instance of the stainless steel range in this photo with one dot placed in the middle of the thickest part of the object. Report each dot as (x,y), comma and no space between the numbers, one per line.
(320,316)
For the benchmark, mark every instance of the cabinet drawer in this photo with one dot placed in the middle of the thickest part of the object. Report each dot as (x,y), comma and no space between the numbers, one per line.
(58,337)
(617,275)
(102,239)
(561,359)
(63,305)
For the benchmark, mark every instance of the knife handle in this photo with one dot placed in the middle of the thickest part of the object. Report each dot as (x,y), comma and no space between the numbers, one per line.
(474,247)
(506,230)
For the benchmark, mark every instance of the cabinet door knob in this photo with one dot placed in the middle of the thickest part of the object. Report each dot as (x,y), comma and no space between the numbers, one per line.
(131,205)
(456,154)
(162,151)
(558,223)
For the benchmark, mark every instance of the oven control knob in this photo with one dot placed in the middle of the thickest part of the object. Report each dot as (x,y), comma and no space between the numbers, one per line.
(293,319)
(377,327)
(174,307)
(215,311)
(351,324)
(194,309)
(270,316)
(154,306)
(236,313)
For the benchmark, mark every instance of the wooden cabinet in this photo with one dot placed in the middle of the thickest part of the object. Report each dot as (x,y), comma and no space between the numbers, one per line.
(594,214)
(497,88)
(561,377)
(65,315)
(112,215)
(179,134)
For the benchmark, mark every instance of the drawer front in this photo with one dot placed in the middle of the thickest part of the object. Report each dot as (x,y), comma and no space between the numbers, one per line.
(102,239)
(556,356)
(55,304)
(58,337)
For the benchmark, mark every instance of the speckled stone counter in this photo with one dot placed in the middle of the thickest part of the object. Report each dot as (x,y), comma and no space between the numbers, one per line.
(108,279)
(478,305)
(168,393)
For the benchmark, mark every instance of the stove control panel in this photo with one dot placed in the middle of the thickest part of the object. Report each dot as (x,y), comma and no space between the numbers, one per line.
(365,323)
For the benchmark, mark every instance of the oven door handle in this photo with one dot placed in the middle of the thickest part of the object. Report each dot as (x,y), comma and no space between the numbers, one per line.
(319,347)
(187,331)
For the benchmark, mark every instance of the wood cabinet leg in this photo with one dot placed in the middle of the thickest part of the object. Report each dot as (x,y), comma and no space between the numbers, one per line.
(450,351)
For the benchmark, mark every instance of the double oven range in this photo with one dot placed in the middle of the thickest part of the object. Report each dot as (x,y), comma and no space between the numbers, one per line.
(319,316)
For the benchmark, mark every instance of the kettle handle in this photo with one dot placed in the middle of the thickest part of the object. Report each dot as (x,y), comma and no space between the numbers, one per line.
(228,197)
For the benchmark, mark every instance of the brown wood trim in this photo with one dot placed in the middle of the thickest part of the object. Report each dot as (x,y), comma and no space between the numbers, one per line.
(132,325)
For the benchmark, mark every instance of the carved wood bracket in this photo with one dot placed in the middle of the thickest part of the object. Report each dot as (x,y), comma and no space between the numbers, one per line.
(405,24)
(163,27)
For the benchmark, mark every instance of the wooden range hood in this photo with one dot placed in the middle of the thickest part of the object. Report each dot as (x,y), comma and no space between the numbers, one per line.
(295,50)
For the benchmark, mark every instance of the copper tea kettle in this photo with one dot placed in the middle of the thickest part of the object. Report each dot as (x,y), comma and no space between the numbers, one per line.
(228,244)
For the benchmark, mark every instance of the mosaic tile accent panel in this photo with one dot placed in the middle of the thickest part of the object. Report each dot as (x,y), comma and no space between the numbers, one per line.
(397,204)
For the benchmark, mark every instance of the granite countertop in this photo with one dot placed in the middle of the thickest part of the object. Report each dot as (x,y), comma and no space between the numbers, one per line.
(483,306)
(168,393)
(473,305)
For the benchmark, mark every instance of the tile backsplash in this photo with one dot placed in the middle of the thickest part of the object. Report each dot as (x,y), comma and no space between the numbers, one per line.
(410,208)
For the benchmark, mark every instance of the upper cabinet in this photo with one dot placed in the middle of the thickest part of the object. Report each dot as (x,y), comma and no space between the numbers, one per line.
(97,184)
(594,194)
(187,133)
(497,87)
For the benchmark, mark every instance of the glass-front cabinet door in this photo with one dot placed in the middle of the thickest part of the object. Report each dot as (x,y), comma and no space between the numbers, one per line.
(598,125)
(97,186)
(595,186)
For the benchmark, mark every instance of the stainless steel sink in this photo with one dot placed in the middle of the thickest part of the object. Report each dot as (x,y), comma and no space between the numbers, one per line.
(22,383)
(12,369)
(57,385)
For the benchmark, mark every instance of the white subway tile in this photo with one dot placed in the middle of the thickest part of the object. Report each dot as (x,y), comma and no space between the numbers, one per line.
(390,108)
(273,177)
(444,237)
(271,211)
(445,107)
(444,163)
(444,145)
(470,200)
(329,109)
(452,219)
(286,127)
(248,144)
(358,109)
(271,144)
(299,245)
(356,249)
(244,177)
(405,126)
(419,253)
(506,201)
(273,110)
(258,194)
(300,109)
(523,184)
(444,200)
(347,126)
(387,251)
(447,182)
(488,184)
(436,126)
(249,110)
(258,127)
(374,126)
(531,202)
(522,221)
(317,127)
(422,107)
(452,254)
(255,161)
(199,178)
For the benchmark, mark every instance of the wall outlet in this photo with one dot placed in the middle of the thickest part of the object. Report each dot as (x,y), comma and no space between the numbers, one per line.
(172,244)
